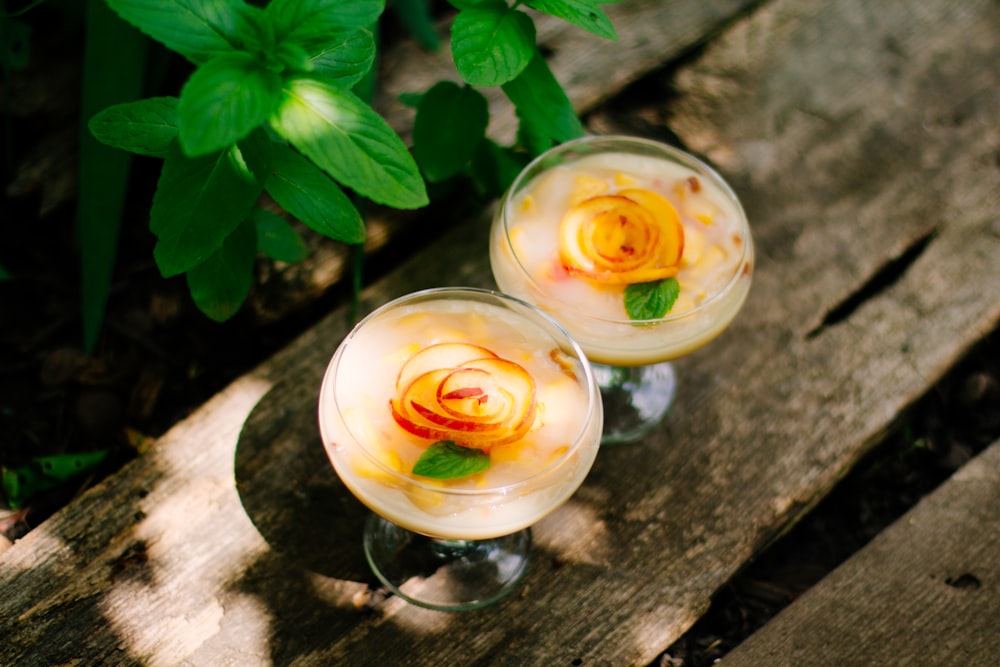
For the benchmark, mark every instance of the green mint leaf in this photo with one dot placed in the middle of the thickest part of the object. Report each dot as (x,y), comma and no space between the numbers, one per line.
(223,101)
(221,283)
(276,237)
(146,127)
(200,201)
(348,140)
(199,30)
(450,123)
(312,197)
(491,45)
(652,300)
(446,460)
(586,14)
(312,22)
(542,103)
(346,58)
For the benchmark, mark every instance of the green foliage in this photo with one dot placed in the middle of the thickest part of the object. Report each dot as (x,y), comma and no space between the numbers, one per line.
(114,67)
(271,107)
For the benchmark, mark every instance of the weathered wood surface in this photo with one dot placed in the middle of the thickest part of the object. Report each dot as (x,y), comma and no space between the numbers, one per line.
(926,591)
(853,131)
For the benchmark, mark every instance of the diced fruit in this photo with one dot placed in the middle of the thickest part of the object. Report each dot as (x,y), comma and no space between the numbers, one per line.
(585,187)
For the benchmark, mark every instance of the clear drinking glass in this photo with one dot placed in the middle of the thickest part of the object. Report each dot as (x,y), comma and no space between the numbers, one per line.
(590,198)
(455,379)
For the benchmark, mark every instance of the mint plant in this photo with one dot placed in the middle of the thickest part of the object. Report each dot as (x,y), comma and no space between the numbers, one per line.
(270,108)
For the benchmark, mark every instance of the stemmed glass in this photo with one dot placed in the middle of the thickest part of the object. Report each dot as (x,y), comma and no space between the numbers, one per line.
(460,417)
(603,232)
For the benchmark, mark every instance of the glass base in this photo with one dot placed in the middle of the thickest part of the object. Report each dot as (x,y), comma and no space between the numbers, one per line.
(446,575)
(635,399)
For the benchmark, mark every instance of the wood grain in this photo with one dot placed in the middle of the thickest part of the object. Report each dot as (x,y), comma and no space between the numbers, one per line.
(231,541)
(926,591)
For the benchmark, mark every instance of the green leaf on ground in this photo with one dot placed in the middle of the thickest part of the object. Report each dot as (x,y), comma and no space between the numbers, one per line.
(197,29)
(491,45)
(446,460)
(312,197)
(276,237)
(450,123)
(349,141)
(586,14)
(146,127)
(221,283)
(542,103)
(223,101)
(22,482)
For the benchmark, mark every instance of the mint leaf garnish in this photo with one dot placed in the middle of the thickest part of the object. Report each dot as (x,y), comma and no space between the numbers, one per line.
(446,460)
(652,300)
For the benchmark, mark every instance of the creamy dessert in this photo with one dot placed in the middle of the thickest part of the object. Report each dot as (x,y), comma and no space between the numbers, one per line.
(460,414)
(639,250)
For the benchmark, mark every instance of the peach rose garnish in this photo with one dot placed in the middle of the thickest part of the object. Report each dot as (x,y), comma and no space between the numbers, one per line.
(634,236)
(466,394)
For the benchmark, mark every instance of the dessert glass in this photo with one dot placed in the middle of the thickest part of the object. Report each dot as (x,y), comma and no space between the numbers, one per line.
(540,226)
(455,379)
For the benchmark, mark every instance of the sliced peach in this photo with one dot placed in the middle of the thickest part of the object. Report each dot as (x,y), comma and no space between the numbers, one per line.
(439,355)
(483,402)
(634,236)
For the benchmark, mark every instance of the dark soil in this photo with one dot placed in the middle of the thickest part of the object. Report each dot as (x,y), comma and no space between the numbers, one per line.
(158,359)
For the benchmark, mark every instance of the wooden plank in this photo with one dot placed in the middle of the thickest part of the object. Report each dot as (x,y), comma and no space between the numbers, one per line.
(926,591)
(232,542)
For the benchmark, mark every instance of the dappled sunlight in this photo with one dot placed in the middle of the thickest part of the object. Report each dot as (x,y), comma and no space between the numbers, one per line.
(306,102)
(574,533)
(190,536)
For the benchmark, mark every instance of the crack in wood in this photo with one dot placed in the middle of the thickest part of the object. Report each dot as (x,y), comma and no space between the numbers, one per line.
(882,279)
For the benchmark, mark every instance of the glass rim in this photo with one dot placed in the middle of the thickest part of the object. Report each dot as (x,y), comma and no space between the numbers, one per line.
(651,145)
(498,298)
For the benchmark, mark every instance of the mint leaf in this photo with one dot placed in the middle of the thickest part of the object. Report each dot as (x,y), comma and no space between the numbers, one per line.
(585,14)
(652,300)
(348,140)
(223,101)
(221,283)
(200,201)
(542,103)
(450,124)
(145,127)
(197,29)
(311,22)
(491,45)
(346,57)
(276,237)
(312,197)
(446,460)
